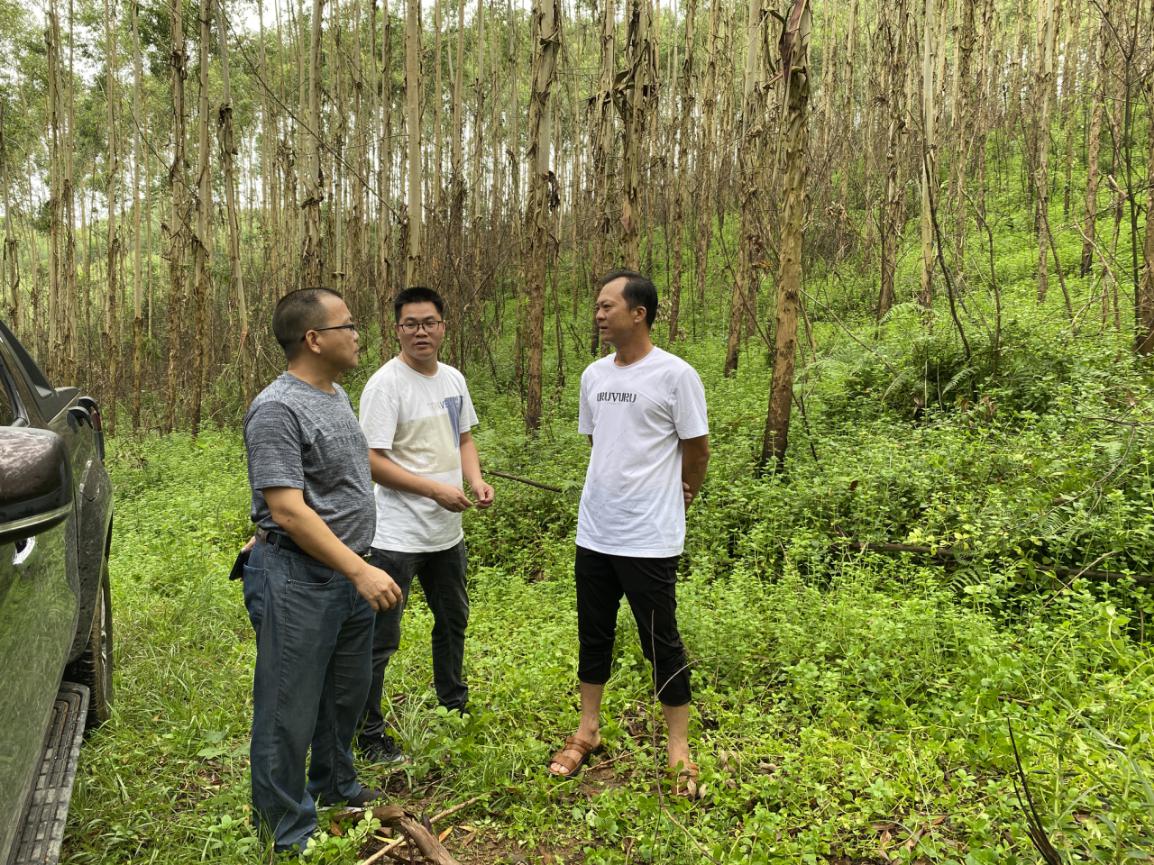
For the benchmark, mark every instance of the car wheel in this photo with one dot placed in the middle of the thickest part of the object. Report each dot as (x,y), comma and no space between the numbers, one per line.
(94,667)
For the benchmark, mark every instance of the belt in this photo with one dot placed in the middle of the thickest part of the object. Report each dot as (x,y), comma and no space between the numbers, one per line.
(279,539)
(284,542)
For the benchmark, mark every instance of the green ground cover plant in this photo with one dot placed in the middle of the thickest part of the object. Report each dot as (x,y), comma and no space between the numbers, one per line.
(851,707)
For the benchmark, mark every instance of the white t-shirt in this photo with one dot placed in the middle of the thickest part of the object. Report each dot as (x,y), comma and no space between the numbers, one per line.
(632,503)
(417,420)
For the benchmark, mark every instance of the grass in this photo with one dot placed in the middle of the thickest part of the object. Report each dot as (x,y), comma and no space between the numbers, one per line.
(848,709)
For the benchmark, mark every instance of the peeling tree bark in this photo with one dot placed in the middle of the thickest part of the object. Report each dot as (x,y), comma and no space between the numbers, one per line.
(753,182)
(1145,306)
(546,47)
(414,209)
(794,45)
(636,96)
(312,178)
(178,228)
(1094,141)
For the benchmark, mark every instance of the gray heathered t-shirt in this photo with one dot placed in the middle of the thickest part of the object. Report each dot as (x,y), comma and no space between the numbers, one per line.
(300,437)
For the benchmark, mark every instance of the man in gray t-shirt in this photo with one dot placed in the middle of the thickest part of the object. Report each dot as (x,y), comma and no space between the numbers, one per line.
(310,594)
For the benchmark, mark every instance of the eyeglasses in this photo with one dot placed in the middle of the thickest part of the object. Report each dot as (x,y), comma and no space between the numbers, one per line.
(429,325)
(349,326)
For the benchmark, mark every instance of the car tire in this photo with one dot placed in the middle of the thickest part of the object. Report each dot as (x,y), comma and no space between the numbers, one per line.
(94,666)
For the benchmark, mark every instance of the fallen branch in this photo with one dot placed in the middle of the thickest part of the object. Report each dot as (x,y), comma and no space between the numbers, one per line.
(394,844)
(521,480)
(1034,827)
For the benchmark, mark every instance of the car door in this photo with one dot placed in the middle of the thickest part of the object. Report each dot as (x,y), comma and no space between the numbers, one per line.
(38,610)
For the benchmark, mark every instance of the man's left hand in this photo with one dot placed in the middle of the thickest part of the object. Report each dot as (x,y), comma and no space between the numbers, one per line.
(484,494)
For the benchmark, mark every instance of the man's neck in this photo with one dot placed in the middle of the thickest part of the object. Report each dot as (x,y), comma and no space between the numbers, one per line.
(633,350)
(321,379)
(427,368)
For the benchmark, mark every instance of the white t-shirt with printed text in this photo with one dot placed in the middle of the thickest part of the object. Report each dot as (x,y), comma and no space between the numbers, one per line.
(632,503)
(417,420)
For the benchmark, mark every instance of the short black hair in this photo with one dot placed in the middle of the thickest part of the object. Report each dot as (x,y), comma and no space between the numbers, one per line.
(639,290)
(296,314)
(418,294)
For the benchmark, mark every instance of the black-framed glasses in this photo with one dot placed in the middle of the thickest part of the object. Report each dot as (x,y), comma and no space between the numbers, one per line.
(349,326)
(429,324)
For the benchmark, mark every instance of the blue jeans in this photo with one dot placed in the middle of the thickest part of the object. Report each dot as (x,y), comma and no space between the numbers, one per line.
(442,576)
(313,649)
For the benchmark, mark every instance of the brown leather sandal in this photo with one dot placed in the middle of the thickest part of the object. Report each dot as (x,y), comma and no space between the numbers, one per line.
(573,745)
(684,781)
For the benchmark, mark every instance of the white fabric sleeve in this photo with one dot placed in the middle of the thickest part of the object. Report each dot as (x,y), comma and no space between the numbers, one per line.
(379,415)
(690,417)
(585,412)
(468,418)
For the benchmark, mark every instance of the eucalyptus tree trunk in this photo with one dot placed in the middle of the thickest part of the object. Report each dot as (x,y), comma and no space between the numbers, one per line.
(753,192)
(112,266)
(52,346)
(546,47)
(892,54)
(963,101)
(438,128)
(1144,342)
(311,178)
(685,110)
(1094,139)
(11,251)
(706,154)
(386,253)
(334,165)
(71,294)
(480,87)
(455,239)
(602,145)
(1042,104)
(637,96)
(794,47)
(202,241)
(228,151)
(178,228)
(930,51)
(277,246)
(357,267)
(138,157)
(414,265)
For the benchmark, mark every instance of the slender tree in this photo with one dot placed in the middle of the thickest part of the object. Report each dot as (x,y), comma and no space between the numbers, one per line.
(546,47)
(794,49)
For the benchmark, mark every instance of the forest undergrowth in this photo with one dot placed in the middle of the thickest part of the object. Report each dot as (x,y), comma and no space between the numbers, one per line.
(956,549)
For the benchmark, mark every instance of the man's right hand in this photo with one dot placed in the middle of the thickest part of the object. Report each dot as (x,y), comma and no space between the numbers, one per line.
(376,587)
(451,498)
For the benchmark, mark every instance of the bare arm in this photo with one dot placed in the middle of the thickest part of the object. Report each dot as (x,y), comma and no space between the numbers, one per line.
(300,522)
(694,462)
(388,474)
(471,469)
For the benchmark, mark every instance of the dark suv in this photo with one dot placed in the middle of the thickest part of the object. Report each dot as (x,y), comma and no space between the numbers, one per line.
(55,611)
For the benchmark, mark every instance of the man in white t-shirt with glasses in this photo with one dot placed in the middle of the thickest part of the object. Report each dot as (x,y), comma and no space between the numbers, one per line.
(416,414)
(644,411)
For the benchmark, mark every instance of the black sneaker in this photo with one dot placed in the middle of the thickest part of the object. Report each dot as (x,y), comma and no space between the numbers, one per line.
(381,748)
(363,798)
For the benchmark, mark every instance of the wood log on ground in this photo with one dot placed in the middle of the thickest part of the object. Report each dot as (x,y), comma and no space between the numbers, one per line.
(409,825)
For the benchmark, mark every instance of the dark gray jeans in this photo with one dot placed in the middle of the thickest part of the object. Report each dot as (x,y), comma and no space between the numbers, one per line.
(313,638)
(442,577)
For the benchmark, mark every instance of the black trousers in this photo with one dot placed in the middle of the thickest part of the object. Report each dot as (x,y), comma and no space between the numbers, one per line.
(649,585)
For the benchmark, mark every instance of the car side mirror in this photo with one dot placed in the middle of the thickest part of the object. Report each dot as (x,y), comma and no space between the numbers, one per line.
(35,482)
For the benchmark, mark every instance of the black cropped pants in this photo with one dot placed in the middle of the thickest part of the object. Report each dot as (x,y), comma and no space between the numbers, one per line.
(649,585)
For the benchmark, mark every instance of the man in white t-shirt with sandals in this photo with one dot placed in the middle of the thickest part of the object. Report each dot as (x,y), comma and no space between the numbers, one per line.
(644,411)
(416,414)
